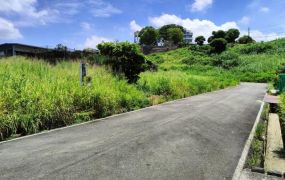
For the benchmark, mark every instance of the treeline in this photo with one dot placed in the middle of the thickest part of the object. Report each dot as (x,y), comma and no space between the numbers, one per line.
(220,39)
(171,34)
(61,52)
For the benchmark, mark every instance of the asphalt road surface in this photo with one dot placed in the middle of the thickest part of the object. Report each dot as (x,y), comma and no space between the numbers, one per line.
(201,137)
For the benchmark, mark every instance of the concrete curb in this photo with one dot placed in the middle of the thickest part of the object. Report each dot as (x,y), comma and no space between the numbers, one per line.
(244,154)
(115,115)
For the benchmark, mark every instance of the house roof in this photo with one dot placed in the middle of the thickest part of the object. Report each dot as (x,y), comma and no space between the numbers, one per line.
(23,45)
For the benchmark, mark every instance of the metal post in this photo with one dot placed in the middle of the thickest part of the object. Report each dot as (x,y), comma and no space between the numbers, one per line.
(82,72)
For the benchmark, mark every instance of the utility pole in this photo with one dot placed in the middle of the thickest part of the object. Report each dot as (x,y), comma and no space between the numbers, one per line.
(248,31)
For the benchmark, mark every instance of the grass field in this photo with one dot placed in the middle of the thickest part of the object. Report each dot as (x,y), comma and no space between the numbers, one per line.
(36,96)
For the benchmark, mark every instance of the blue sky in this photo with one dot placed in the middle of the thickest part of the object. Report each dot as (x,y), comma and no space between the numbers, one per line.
(84,23)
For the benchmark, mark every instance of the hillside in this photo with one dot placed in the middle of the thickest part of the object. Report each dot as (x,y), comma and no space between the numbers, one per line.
(257,62)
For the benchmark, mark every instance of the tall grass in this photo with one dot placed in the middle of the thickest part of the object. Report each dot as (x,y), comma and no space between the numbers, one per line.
(35,96)
(177,84)
(259,68)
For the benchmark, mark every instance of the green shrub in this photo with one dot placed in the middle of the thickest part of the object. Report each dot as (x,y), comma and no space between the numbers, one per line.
(219,45)
(205,49)
(200,40)
(227,60)
(196,60)
(124,58)
(256,48)
(156,59)
(245,40)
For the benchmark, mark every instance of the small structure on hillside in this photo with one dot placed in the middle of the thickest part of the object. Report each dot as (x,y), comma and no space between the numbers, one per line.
(59,53)
(188,37)
(13,49)
(136,37)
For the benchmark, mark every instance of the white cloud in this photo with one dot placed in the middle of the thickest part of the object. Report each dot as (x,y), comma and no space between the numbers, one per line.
(245,20)
(134,26)
(68,8)
(103,9)
(27,13)
(8,30)
(197,26)
(22,7)
(85,26)
(94,40)
(205,27)
(200,5)
(260,36)
(264,9)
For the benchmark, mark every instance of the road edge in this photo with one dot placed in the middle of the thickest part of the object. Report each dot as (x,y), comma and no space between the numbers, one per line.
(239,168)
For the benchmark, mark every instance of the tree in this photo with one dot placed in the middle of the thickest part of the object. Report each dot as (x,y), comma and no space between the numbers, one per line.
(232,35)
(148,36)
(124,58)
(219,45)
(219,34)
(210,39)
(245,40)
(200,40)
(175,35)
(61,47)
(163,31)
(216,35)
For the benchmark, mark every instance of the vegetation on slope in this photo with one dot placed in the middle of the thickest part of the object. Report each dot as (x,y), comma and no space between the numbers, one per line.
(257,62)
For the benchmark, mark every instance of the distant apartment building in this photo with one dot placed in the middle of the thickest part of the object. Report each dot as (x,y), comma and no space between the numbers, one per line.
(136,37)
(188,37)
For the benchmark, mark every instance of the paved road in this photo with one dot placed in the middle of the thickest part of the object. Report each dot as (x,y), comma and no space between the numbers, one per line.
(201,137)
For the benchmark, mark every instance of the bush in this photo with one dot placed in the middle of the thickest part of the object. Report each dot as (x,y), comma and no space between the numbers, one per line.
(227,60)
(124,58)
(245,40)
(200,40)
(205,49)
(219,45)
(156,59)
(197,60)
(256,48)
